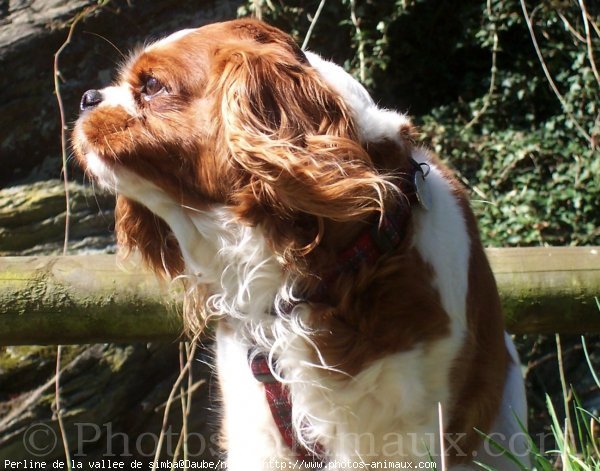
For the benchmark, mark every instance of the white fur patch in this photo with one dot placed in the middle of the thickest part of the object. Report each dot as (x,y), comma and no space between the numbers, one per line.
(442,239)
(374,123)
(388,411)
(170,39)
(197,251)
(105,177)
(119,96)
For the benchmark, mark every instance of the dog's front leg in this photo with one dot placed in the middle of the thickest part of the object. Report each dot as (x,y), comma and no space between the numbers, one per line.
(249,434)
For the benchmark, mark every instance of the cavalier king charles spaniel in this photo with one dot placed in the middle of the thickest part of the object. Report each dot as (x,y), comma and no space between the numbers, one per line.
(358,321)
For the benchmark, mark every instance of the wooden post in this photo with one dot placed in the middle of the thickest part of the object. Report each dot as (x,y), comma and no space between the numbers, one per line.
(549,289)
(90,298)
(82,299)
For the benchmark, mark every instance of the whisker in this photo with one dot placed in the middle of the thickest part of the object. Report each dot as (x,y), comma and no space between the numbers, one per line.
(123,56)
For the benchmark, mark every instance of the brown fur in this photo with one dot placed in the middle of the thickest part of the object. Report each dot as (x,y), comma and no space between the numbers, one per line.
(370,316)
(138,228)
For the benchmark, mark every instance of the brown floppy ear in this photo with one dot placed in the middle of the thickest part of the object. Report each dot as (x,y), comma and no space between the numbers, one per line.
(291,139)
(137,227)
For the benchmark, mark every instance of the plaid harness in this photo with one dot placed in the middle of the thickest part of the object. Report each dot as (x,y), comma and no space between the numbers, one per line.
(374,242)
(280,405)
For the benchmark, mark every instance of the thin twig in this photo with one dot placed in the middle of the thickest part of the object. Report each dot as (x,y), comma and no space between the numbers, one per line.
(568,25)
(588,40)
(65,174)
(176,454)
(63,132)
(257,9)
(193,389)
(488,98)
(468,184)
(63,128)
(190,387)
(536,46)
(592,21)
(182,440)
(165,421)
(186,406)
(361,43)
(61,425)
(184,359)
(312,24)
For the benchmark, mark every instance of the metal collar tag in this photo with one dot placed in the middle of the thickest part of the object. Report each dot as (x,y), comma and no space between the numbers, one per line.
(422,188)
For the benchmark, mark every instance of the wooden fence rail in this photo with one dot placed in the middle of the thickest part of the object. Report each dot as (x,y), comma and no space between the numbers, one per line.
(92,299)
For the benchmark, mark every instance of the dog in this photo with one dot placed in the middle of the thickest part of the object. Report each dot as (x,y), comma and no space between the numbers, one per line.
(358,320)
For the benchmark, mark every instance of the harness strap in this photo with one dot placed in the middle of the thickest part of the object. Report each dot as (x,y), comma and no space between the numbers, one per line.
(281,406)
(386,233)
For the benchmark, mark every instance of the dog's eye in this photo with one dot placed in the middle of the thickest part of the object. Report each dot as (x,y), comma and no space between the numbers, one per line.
(152,87)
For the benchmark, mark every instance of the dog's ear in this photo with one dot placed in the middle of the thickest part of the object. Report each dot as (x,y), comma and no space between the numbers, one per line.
(137,227)
(291,139)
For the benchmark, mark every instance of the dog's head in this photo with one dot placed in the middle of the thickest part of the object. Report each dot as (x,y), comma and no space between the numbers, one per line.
(236,114)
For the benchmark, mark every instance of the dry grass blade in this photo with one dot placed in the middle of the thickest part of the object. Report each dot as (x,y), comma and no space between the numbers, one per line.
(528,20)
(441,432)
(65,174)
(569,434)
(313,24)
(170,400)
(588,39)
(488,98)
(361,43)
(61,425)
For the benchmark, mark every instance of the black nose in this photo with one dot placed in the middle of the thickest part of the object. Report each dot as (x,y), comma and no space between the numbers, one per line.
(90,99)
